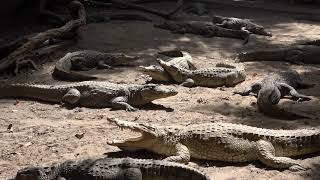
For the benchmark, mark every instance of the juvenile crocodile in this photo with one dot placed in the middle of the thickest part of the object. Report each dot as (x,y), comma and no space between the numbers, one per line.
(206,29)
(275,86)
(301,54)
(159,74)
(212,77)
(85,60)
(90,94)
(221,141)
(112,169)
(239,24)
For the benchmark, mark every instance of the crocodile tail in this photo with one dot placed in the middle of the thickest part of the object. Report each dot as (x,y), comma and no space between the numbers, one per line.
(71,75)
(171,170)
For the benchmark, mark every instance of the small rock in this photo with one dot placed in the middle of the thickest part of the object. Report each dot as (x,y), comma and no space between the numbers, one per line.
(202,101)
(16,103)
(79,136)
(10,128)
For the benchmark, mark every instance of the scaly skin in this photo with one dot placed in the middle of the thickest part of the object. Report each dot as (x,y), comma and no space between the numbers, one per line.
(85,60)
(159,74)
(277,85)
(301,54)
(213,77)
(239,24)
(90,94)
(223,142)
(112,169)
(206,29)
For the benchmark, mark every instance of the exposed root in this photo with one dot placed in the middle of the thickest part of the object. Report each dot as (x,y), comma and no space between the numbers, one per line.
(26,51)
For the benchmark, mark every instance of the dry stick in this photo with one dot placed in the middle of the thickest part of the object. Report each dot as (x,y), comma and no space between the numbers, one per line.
(24,53)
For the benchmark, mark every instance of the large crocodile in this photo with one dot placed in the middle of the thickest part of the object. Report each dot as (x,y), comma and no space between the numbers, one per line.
(239,24)
(206,29)
(221,75)
(221,141)
(85,60)
(90,94)
(300,54)
(275,86)
(112,169)
(181,59)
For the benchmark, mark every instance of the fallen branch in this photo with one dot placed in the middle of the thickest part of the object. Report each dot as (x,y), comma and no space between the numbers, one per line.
(23,54)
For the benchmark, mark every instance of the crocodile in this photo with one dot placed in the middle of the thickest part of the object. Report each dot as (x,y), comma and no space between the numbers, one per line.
(112,169)
(300,54)
(66,67)
(221,141)
(314,42)
(206,29)
(239,24)
(183,60)
(95,94)
(220,75)
(275,86)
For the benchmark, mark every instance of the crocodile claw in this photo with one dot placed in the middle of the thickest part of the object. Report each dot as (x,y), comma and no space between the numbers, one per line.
(131,109)
(296,168)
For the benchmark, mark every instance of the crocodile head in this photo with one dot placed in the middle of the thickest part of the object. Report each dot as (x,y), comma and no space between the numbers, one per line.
(260,30)
(156,72)
(268,96)
(218,19)
(150,92)
(168,67)
(151,137)
(169,25)
(31,173)
(123,59)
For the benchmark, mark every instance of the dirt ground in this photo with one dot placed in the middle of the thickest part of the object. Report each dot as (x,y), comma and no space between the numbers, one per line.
(45,133)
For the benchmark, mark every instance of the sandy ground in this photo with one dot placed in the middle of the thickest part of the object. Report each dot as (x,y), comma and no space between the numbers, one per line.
(45,133)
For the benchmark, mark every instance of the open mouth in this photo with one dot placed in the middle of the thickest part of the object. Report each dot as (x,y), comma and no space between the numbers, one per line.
(141,129)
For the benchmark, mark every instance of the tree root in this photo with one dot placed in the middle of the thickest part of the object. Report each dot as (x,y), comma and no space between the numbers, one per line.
(23,54)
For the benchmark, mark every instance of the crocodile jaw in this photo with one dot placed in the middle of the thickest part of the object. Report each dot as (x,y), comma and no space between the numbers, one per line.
(148,135)
(150,92)
(156,72)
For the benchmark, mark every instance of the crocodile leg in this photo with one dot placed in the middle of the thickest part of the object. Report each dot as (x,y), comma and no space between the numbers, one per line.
(266,154)
(255,88)
(102,65)
(71,97)
(294,93)
(132,174)
(121,103)
(245,30)
(182,154)
(188,83)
